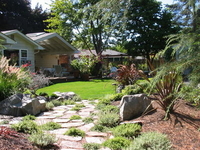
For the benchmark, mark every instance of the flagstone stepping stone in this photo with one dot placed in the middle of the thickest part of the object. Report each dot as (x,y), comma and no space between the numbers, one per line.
(61,120)
(67,116)
(70,144)
(98,140)
(84,114)
(86,110)
(86,127)
(71,112)
(42,121)
(68,125)
(77,121)
(70,138)
(45,113)
(96,134)
(46,117)
(58,132)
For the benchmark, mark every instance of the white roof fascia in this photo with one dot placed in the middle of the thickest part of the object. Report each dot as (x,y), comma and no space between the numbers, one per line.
(50,35)
(7,39)
(24,36)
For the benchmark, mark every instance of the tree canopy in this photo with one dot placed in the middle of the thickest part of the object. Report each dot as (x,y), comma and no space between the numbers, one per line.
(17,14)
(148,24)
(79,23)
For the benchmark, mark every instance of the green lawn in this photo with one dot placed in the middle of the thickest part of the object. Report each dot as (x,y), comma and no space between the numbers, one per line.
(93,89)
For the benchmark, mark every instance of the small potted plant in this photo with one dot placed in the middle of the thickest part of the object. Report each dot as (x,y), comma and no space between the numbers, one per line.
(84,64)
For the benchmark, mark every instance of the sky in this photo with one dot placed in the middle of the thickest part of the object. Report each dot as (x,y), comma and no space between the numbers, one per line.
(45,3)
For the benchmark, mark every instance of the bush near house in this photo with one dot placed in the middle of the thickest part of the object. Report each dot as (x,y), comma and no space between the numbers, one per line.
(12,79)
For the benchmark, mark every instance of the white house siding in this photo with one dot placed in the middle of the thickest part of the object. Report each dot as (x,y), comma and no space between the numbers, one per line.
(46,61)
(25,45)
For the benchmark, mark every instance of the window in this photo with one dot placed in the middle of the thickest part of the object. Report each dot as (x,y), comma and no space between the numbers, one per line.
(23,57)
(13,55)
(17,57)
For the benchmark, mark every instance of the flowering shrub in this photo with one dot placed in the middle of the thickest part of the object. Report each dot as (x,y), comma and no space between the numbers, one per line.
(12,79)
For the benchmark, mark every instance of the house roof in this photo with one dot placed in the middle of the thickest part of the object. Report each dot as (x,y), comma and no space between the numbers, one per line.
(105,53)
(6,40)
(52,42)
(10,32)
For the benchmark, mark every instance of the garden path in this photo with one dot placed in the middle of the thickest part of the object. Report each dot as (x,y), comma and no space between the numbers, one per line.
(61,115)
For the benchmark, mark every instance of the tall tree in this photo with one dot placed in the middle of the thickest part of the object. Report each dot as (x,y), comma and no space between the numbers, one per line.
(78,21)
(17,14)
(147,27)
(186,12)
(186,44)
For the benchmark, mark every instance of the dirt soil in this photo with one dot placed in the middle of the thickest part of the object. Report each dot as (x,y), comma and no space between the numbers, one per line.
(183,129)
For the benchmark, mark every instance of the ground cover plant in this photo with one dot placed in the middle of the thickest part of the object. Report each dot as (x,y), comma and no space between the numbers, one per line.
(42,139)
(150,141)
(93,89)
(75,132)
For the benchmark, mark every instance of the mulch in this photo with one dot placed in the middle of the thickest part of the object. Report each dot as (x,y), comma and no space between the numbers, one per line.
(183,129)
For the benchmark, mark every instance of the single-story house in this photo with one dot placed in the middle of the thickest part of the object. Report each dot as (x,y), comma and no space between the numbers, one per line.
(109,56)
(42,50)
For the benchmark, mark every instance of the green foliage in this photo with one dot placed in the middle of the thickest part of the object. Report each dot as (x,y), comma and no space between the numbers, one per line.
(75,132)
(68,102)
(49,105)
(78,107)
(12,79)
(104,101)
(138,88)
(43,94)
(155,21)
(75,98)
(50,126)
(108,119)
(88,120)
(117,143)
(91,146)
(167,85)
(110,108)
(4,122)
(127,74)
(42,139)
(28,117)
(128,130)
(150,141)
(53,96)
(99,128)
(114,97)
(84,64)
(56,102)
(26,126)
(191,94)
(75,117)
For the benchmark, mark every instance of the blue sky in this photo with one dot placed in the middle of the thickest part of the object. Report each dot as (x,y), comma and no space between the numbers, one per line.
(45,3)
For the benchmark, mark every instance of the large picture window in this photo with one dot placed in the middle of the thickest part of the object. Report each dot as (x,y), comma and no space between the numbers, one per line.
(17,57)
(13,55)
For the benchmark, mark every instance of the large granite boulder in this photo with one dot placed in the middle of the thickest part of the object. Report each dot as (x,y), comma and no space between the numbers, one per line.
(131,106)
(21,105)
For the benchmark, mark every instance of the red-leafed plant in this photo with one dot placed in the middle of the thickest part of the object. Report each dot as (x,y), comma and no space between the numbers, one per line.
(5,131)
(127,74)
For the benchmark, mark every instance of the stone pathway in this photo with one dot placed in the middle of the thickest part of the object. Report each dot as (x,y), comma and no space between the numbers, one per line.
(61,115)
